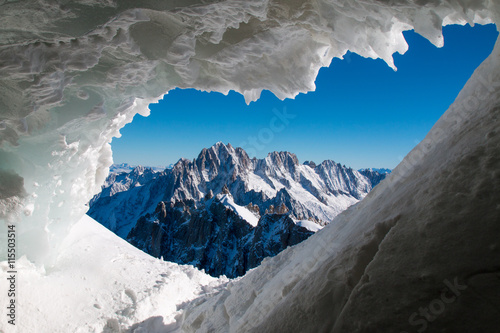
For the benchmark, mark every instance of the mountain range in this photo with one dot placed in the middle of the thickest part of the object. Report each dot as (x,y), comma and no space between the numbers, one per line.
(224,211)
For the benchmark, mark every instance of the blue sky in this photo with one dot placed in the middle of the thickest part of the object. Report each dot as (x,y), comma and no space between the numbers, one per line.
(362,114)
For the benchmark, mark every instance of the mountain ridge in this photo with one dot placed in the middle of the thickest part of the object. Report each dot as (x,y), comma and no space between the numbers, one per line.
(316,192)
(217,209)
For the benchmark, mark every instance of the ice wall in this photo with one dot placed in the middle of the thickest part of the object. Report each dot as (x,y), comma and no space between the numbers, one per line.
(73,73)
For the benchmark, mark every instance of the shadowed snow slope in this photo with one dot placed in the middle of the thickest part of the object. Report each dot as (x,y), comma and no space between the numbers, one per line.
(72,74)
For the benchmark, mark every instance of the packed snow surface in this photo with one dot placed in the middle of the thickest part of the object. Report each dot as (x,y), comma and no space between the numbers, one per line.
(102,282)
(73,74)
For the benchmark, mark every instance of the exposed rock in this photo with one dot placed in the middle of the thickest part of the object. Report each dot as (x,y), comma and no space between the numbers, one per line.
(214,237)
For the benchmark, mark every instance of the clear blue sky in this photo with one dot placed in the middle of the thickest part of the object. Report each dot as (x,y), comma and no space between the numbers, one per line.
(362,114)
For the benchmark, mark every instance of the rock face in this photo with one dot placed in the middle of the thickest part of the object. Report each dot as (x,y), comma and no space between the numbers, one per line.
(309,191)
(213,237)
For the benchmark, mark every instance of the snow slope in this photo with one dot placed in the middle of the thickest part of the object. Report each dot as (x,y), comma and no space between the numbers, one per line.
(311,226)
(242,211)
(102,283)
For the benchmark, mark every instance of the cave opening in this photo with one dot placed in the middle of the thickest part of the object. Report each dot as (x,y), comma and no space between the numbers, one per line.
(67,92)
(363,114)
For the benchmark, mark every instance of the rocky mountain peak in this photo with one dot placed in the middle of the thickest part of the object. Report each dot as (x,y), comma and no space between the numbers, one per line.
(310,164)
(222,158)
(283,158)
(138,170)
(277,183)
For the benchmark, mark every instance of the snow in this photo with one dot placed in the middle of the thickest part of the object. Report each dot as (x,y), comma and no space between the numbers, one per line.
(100,280)
(68,85)
(243,212)
(309,225)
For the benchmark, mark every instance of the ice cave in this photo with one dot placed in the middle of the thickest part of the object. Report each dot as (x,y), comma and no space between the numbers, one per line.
(420,253)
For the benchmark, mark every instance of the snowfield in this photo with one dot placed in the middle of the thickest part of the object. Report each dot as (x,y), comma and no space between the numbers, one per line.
(103,283)
(73,74)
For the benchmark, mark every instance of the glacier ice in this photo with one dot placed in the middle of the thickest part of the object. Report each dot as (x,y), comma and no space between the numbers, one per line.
(72,74)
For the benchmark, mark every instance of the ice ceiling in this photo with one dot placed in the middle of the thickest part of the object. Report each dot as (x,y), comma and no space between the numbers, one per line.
(72,73)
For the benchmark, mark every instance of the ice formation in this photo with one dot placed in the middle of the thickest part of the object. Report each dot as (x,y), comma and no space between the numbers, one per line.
(72,74)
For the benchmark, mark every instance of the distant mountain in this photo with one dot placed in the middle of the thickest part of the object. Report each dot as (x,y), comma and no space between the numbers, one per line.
(375,175)
(379,170)
(195,212)
(126,168)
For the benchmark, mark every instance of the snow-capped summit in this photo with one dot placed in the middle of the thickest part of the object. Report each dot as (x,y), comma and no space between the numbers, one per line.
(223,185)
(317,194)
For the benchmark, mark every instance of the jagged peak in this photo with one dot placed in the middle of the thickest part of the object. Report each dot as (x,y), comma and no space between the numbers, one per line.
(282,157)
(138,170)
(330,163)
(215,150)
(181,162)
(220,145)
(225,190)
(310,164)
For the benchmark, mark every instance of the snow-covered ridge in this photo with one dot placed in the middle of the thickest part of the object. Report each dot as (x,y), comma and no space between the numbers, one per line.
(310,192)
(242,211)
